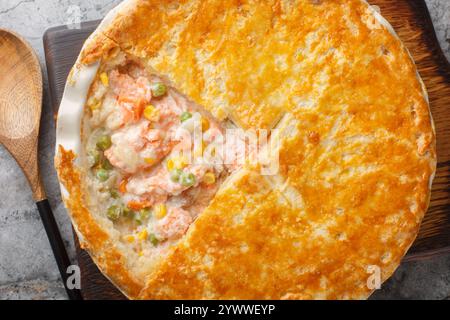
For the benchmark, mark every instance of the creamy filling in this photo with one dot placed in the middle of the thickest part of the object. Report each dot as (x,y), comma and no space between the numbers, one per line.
(148,169)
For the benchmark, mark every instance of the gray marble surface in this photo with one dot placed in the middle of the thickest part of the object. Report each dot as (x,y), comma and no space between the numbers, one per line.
(27,268)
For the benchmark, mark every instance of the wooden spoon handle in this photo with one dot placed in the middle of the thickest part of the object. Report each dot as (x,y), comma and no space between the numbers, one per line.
(57,244)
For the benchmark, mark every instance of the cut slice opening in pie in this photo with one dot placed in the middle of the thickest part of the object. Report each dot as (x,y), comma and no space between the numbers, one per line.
(154,158)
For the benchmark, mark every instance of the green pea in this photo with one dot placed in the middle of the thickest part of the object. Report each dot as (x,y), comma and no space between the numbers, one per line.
(114,194)
(175,175)
(159,89)
(102,175)
(138,218)
(104,143)
(145,213)
(153,239)
(113,213)
(128,213)
(185,116)
(105,164)
(94,157)
(187,179)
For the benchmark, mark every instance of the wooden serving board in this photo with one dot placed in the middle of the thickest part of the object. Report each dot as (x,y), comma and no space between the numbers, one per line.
(411,20)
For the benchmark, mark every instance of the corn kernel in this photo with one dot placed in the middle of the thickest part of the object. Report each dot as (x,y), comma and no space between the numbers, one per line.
(205,124)
(129,239)
(141,253)
(160,211)
(143,235)
(209,178)
(180,163)
(104,79)
(151,113)
(95,106)
(170,165)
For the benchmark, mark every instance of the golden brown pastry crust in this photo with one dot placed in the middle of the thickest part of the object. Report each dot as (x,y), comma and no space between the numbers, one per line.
(93,238)
(357,154)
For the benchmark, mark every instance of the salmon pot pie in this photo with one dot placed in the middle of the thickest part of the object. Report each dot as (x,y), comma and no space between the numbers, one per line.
(143,149)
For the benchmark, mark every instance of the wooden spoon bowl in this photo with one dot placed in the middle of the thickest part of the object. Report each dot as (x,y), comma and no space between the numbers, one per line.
(21,105)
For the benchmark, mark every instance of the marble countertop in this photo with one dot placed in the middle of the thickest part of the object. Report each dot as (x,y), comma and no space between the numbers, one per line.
(27,267)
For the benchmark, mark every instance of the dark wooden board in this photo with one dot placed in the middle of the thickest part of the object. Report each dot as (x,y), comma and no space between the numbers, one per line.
(411,20)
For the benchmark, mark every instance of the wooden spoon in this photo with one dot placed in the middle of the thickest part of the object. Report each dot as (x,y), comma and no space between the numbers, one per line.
(20,115)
